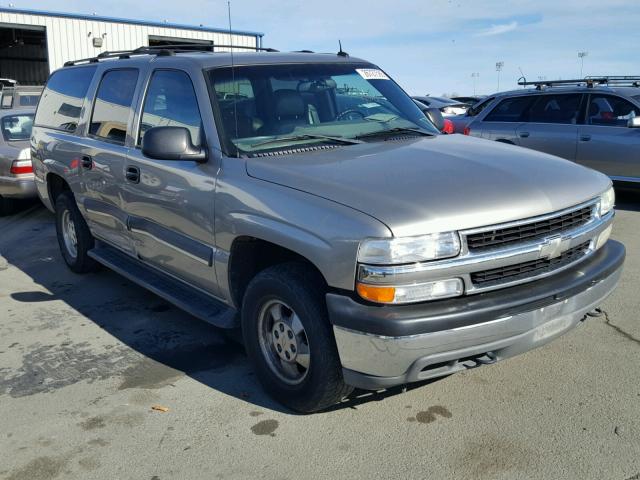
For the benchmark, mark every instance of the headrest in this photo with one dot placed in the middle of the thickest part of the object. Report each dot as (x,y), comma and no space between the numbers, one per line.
(289,103)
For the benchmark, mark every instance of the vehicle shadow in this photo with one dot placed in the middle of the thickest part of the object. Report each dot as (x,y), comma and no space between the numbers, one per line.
(156,343)
(627,198)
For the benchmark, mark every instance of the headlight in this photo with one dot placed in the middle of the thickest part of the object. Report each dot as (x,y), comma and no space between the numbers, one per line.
(394,251)
(607,201)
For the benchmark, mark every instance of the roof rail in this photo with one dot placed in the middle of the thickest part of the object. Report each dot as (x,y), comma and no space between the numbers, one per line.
(590,82)
(162,51)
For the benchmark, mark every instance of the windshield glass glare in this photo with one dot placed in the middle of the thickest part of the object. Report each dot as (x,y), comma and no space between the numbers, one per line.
(270,107)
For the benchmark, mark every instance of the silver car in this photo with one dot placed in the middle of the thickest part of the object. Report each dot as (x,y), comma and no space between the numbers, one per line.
(16,171)
(595,125)
(305,199)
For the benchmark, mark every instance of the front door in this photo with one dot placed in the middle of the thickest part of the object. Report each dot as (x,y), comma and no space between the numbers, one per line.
(170,202)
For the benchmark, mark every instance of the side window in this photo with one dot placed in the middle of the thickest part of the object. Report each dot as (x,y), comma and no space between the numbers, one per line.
(62,99)
(509,110)
(479,107)
(556,109)
(607,110)
(171,101)
(113,104)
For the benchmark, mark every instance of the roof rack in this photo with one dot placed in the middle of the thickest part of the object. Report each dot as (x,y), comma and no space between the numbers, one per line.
(590,82)
(162,51)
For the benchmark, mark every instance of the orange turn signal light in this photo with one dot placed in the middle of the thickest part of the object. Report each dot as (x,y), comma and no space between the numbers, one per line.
(375,293)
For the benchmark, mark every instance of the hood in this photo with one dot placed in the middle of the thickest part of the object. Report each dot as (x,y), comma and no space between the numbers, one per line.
(436,184)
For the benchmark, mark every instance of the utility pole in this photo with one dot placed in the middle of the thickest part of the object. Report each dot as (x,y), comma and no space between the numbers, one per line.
(581,56)
(499,66)
(475,76)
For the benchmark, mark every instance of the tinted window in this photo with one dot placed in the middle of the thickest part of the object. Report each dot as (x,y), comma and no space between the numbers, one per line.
(509,110)
(555,109)
(62,99)
(28,99)
(17,127)
(171,101)
(112,105)
(610,111)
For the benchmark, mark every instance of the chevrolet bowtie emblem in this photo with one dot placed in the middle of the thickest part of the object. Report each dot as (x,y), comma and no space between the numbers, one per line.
(553,247)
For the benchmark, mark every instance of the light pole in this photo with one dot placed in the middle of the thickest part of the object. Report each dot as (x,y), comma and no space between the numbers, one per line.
(581,56)
(499,66)
(475,76)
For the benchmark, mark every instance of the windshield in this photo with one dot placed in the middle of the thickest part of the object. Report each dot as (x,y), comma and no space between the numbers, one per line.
(275,107)
(17,127)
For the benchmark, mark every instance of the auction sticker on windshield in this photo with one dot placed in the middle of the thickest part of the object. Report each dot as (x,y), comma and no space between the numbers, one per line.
(372,74)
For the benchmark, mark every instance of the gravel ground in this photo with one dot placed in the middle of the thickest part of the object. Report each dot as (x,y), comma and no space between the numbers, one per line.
(84,359)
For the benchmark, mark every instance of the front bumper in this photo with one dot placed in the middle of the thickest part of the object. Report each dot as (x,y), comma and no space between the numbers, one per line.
(383,346)
(18,187)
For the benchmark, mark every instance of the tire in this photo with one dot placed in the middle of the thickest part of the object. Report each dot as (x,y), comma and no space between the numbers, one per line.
(7,206)
(293,289)
(67,211)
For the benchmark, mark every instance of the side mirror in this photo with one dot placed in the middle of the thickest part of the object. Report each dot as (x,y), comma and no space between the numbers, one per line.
(634,122)
(435,116)
(171,143)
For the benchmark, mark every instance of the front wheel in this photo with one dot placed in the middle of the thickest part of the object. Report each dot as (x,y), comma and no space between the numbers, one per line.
(289,340)
(74,237)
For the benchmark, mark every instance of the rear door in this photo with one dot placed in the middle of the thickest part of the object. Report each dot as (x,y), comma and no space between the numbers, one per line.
(605,142)
(552,125)
(170,202)
(502,122)
(104,154)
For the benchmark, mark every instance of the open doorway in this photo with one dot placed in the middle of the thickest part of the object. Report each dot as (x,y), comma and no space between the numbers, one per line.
(23,54)
(189,43)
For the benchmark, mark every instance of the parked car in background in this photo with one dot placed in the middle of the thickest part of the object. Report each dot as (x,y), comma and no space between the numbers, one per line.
(460,122)
(16,171)
(438,120)
(317,209)
(446,106)
(593,122)
(470,100)
(21,96)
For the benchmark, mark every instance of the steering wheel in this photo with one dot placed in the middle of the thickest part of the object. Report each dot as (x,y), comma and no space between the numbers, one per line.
(349,114)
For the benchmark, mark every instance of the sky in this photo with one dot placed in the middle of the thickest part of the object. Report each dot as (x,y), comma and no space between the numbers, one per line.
(428,46)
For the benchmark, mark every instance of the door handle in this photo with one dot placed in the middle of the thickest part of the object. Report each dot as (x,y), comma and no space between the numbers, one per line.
(87,162)
(133,174)
(585,138)
(523,134)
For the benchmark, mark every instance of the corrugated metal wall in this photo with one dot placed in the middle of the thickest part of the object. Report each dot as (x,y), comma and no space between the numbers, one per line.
(70,38)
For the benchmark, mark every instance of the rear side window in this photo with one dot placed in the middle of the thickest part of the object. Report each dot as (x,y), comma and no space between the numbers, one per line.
(610,111)
(478,107)
(509,110)
(555,109)
(113,104)
(171,101)
(62,99)
(17,128)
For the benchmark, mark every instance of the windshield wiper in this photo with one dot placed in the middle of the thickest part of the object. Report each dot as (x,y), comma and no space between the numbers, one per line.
(395,131)
(307,136)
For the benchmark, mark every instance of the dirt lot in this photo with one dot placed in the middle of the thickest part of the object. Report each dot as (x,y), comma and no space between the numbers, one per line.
(83,359)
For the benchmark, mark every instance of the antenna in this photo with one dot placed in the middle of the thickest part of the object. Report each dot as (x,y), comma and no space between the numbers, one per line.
(233,77)
(342,53)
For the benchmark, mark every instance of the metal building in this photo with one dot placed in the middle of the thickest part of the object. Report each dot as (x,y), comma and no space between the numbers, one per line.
(34,43)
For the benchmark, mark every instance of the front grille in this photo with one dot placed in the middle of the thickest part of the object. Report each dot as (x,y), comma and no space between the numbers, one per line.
(518,271)
(500,237)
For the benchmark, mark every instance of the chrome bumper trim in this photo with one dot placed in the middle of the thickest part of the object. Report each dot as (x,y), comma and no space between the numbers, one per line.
(407,357)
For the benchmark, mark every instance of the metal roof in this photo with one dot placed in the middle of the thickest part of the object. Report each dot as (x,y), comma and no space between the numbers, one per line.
(99,18)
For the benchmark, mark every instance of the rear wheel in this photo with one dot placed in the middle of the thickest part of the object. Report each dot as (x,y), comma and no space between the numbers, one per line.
(289,340)
(74,237)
